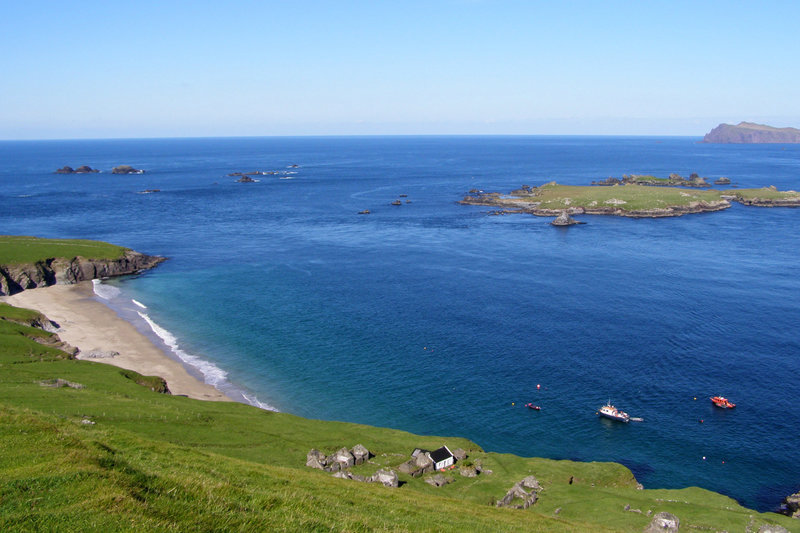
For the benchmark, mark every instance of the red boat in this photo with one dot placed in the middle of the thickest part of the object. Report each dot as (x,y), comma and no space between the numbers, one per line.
(719,401)
(534,407)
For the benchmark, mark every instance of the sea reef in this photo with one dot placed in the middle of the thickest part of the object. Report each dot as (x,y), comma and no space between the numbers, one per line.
(748,132)
(18,277)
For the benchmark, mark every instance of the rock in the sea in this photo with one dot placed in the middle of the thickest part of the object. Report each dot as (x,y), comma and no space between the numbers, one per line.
(791,505)
(246,179)
(83,169)
(663,523)
(126,169)
(722,181)
(564,220)
(748,132)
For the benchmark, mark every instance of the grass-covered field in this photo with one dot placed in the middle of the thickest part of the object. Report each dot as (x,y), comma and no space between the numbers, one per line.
(627,198)
(171,463)
(18,249)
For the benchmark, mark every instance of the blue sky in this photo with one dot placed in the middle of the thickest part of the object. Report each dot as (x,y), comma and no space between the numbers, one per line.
(95,69)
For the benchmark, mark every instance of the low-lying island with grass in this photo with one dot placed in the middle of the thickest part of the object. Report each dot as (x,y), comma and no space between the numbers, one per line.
(638,199)
(92,447)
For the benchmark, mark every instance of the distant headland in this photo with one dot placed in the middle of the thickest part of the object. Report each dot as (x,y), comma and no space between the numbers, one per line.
(748,132)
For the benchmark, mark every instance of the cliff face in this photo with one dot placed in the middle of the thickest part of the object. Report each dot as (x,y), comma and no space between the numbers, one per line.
(17,278)
(747,132)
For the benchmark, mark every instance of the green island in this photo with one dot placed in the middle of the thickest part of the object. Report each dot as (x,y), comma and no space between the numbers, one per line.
(86,446)
(637,197)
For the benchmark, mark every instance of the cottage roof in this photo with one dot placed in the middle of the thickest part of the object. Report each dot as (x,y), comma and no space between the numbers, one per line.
(441,454)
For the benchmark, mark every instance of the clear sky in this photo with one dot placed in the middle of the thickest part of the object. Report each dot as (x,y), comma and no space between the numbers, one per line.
(95,69)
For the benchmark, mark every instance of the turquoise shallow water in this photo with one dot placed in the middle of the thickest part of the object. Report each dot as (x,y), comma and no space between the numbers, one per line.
(434,317)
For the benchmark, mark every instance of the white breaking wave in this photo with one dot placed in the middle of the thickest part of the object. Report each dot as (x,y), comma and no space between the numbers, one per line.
(106,292)
(140,304)
(255,402)
(212,374)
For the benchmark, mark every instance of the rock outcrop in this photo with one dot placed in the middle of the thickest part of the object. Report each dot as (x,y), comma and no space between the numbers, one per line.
(126,169)
(791,505)
(748,132)
(83,169)
(564,220)
(663,523)
(17,278)
(522,495)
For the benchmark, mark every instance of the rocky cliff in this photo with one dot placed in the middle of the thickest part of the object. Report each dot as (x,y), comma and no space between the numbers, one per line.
(747,132)
(17,278)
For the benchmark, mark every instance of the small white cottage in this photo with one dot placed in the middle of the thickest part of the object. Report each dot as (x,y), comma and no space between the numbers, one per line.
(442,458)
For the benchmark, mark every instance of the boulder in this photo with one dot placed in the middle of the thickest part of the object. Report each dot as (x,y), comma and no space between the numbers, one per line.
(360,454)
(722,181)
(439,480)
(468,471)
(459,454)
(663,523)
(531,483)
(342,458)
(387,478)
(791,505)
(564,220)
(519,498)
(316,459)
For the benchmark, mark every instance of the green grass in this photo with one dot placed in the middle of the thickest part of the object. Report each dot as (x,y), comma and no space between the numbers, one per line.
(635,197)
(19,250)
(768,193)
(168,463)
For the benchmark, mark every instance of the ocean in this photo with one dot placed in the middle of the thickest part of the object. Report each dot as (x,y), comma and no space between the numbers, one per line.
(436,318)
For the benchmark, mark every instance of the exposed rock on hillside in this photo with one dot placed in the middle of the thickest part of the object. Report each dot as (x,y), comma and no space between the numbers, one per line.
(748,132)
(522,495)
(17,278)
(664,523)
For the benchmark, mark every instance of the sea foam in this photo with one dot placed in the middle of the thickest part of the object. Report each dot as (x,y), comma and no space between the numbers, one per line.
(212,374)
(140,304)
(104,291)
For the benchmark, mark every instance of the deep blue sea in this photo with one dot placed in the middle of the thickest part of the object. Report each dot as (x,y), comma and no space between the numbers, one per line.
(437,318)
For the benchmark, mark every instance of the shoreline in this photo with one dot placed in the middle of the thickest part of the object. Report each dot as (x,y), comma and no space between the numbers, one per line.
(90,325)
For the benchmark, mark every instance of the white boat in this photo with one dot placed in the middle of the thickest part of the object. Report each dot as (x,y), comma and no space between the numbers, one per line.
(609,411)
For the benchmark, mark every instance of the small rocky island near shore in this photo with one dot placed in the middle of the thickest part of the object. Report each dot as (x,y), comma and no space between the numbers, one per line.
(748,132)
(86,169)
(83,169)
(126,169)
(633,196)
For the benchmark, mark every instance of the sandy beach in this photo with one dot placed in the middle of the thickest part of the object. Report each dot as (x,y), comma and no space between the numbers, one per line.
(91,326)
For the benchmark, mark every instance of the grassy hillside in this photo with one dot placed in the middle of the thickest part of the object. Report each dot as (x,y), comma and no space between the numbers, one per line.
(18,249)
(104,452)
(151,460)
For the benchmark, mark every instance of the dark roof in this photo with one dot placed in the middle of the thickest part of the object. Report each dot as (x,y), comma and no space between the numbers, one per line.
(441,454)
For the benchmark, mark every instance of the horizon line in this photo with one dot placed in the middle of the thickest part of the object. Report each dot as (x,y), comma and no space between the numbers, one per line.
(339,135)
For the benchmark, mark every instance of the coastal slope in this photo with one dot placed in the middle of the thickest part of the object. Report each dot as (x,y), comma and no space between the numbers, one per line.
(30,262)
(751,133)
